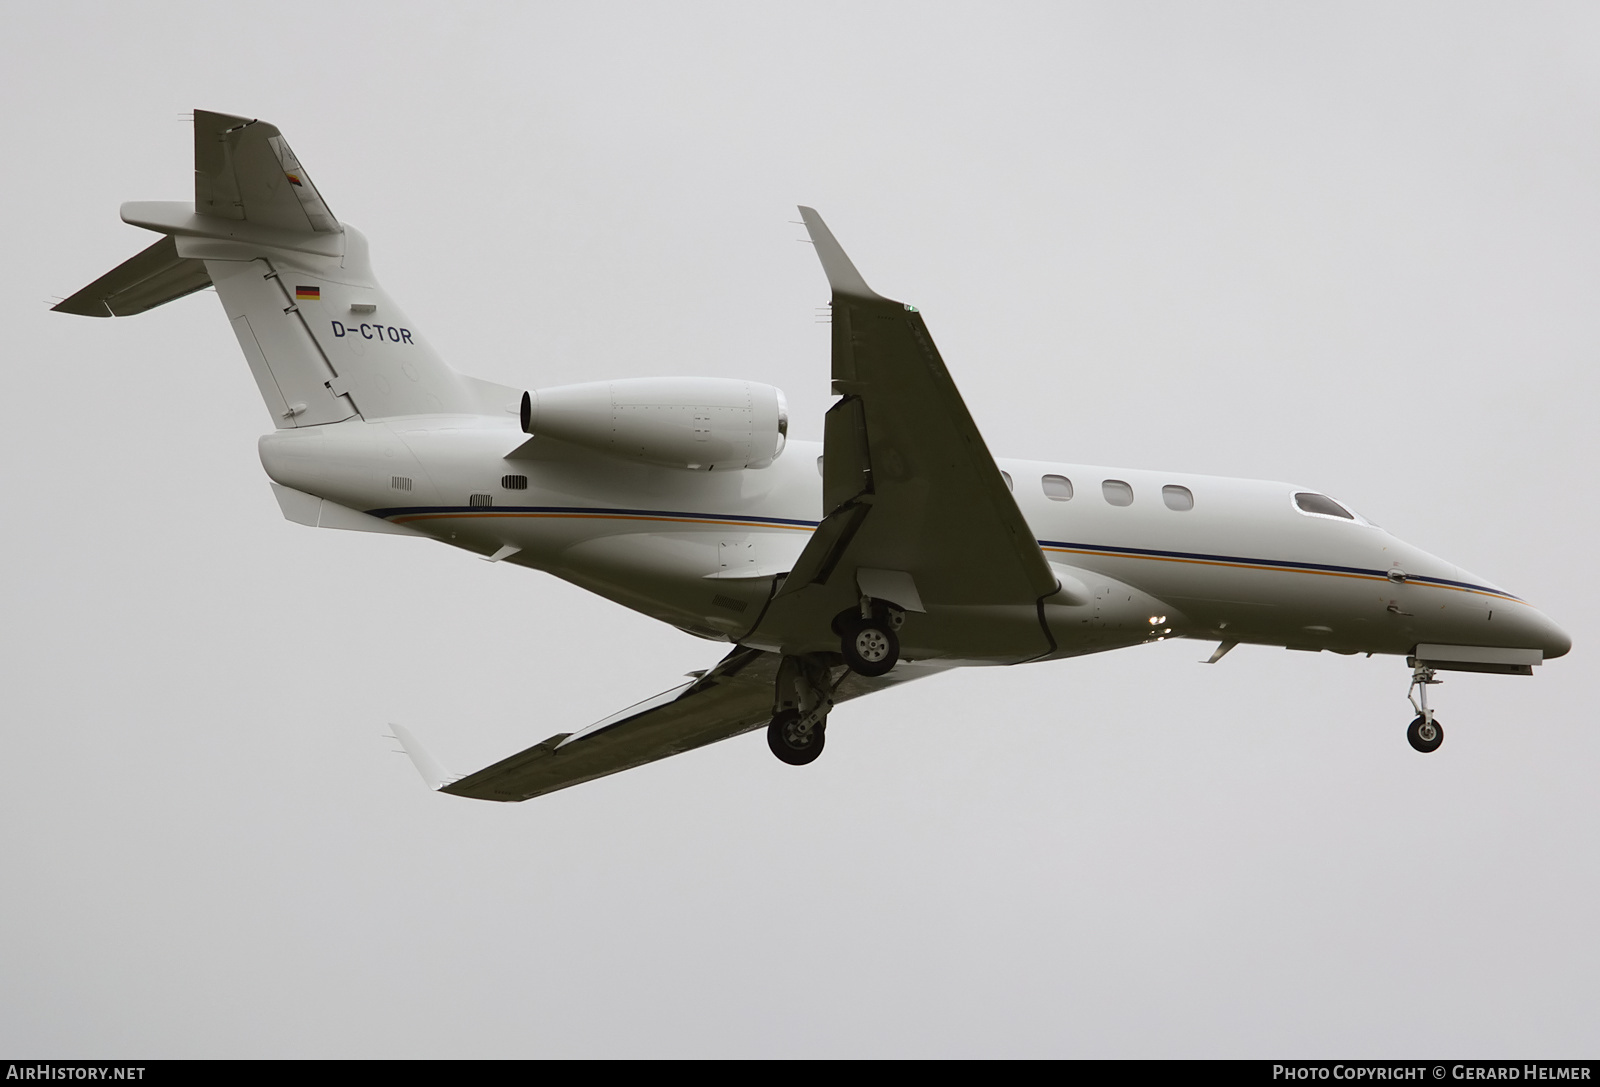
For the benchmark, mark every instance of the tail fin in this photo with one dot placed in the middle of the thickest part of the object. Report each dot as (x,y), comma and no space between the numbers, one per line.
(323,340)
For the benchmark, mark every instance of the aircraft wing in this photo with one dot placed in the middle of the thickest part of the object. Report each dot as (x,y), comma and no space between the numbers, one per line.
(908,485)
(733,698)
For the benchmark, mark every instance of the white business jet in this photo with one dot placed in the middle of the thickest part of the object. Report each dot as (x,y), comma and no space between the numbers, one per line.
(897,548)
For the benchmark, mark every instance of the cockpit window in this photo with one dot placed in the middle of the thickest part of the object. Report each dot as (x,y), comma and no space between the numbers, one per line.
(1322,505)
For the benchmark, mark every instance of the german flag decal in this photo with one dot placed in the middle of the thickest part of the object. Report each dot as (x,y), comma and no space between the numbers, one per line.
(308,294)
(293,179)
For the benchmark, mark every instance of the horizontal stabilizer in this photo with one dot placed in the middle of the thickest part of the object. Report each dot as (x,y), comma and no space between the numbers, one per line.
(142,282)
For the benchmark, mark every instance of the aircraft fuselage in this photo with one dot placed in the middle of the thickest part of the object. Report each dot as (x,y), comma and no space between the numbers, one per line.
(1140,555)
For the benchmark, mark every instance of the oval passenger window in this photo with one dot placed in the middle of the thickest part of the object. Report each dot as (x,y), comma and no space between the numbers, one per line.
(1117,492)
(1321,504)
(1177,498)
(1057,487)
(1007,477)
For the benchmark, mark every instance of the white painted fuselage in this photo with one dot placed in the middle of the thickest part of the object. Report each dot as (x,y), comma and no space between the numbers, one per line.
(705,551)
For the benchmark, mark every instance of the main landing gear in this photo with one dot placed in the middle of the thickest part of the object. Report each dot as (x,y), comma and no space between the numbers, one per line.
(804,687)
(796,738)
(803,697)
(1425,733)
(869,642)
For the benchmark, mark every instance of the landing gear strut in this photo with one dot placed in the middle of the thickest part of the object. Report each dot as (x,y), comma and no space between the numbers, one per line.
(803,697)
(1425,733)
(868,641)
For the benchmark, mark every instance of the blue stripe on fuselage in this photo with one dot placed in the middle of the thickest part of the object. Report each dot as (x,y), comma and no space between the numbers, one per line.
(405,512)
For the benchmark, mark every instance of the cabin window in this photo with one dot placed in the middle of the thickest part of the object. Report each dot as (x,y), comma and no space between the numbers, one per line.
(819,466)
(480,500)
(1321,505)
(1057,487)
(1177,498)
(400,483)
(514,483)
(1118,492)
(1007,477)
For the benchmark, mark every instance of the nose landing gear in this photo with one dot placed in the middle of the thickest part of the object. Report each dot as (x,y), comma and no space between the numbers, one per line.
(1425,733)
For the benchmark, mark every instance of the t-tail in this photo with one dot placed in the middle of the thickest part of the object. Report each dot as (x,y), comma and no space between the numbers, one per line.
(323,340)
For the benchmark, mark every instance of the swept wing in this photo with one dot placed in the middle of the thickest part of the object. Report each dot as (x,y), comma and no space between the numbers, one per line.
(915,511)
(733,698)
(908,483)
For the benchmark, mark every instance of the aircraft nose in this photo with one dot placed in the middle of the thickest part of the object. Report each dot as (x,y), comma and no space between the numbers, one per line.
(1552,639)
(1531,628)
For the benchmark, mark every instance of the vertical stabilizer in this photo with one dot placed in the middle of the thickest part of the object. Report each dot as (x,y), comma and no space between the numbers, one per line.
(244,170)
(323,340)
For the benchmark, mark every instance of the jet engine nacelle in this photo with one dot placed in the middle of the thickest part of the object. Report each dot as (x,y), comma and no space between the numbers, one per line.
(702,424)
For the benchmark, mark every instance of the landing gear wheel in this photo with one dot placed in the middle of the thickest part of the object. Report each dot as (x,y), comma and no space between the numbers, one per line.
(1425,736)
(790,744)
(869,647)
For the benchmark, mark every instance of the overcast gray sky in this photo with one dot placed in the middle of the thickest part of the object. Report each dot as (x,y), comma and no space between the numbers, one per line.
(1350,246)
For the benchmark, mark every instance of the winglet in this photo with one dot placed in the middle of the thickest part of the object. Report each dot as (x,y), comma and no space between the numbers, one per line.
(842,275)
(435,776)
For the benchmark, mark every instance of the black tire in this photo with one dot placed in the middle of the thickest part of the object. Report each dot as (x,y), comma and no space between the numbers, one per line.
(1414,735)
(789,744)
(870,647)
